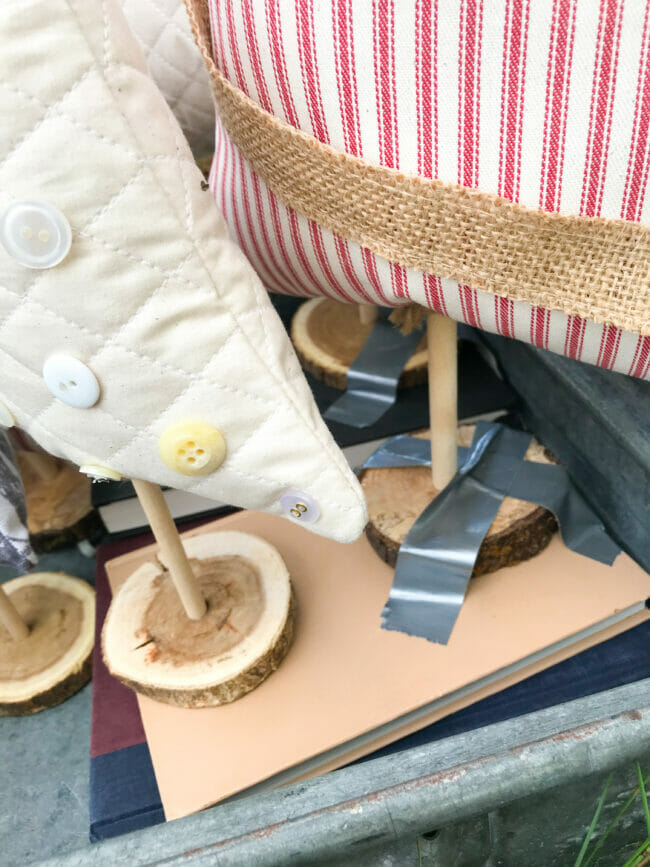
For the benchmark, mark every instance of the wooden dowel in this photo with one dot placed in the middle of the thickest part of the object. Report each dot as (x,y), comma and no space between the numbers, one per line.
(11,619)
(166,534)
(443,397)
(368,314)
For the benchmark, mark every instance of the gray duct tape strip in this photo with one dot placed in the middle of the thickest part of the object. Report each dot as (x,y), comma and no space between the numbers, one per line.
(373,375)
(436,560)
(582,530)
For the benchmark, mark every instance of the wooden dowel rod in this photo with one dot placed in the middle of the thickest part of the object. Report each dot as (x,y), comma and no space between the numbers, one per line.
(11,619)
(443,397)
(166,534)
(368,314)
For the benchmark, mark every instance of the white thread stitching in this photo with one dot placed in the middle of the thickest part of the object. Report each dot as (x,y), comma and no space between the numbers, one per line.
(282,386)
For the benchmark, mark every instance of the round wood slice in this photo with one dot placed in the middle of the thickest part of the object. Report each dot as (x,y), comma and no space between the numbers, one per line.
(397,496)
(151,645)
(59,508)
(54,660)
(328,336)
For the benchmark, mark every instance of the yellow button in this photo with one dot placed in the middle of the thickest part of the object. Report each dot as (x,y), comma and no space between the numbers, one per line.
(192,448)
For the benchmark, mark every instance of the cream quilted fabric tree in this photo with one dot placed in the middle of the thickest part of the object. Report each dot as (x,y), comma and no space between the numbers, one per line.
(153,300)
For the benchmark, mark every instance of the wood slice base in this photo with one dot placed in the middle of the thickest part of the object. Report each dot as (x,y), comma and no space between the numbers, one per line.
(54,661)
(397,496)
(328,336)
(59,507)
(151,645)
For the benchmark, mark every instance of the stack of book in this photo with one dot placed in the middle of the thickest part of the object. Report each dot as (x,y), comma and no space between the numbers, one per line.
(567,640)
(571,639)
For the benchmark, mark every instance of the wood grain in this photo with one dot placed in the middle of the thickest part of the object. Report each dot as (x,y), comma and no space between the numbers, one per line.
(397,496)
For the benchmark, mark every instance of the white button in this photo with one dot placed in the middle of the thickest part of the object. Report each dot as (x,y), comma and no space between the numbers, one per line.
(35,233)
(300,507)
(6,416)
(70,381)
(100,474)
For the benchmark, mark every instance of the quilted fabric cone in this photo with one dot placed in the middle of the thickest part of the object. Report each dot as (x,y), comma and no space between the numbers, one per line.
(148,317)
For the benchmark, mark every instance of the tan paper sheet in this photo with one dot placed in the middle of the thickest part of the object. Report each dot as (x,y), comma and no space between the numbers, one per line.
(345,676)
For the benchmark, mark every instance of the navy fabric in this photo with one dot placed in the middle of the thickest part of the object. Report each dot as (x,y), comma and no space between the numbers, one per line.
(123,793)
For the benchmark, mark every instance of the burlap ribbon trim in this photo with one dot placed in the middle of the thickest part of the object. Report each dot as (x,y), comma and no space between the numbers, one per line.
(590,267)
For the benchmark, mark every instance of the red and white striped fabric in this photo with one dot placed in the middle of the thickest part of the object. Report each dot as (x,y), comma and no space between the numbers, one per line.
(544,102)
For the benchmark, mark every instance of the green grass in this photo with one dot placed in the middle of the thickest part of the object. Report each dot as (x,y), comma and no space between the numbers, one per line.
(642,855)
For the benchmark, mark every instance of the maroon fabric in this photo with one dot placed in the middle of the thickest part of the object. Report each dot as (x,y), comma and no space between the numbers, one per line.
(115,720)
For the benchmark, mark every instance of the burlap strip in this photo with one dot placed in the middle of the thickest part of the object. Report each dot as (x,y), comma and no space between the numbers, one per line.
(594,268)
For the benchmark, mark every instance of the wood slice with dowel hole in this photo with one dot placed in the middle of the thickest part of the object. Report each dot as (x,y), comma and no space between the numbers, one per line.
(151,645)
(328,336)
(54,660)
(396,496)
(58,496)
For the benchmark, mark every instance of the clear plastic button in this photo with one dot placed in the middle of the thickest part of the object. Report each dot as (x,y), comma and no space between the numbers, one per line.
(35,233)
(99,473)
(71,381)
(300,506)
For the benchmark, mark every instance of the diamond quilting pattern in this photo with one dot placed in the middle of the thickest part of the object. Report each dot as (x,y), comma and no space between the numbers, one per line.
(176,65)
(121,282)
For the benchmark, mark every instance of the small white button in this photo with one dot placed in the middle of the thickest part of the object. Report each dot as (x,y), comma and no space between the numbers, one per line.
(100,474)
(35,233)
(70,381)
(6,416)
(300,507)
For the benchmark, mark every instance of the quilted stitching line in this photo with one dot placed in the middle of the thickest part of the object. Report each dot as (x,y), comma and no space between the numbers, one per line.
(335,455)
(289,397)
(23,298)
(183,279)
(49,110)
(154,48)
(200,486)
(108,50)
(36,421)
(189,217)
(238,456)
(26,296)
(164,366)
(113,342)
(114,199)
(170,410)
(52,402)
(179,98)
(56,110)
(187,36)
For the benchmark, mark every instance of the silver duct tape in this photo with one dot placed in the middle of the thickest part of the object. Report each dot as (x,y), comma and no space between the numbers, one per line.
(434,572)
(403,450)
(373,376)
(436,560)
(546,485)
(581,529)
